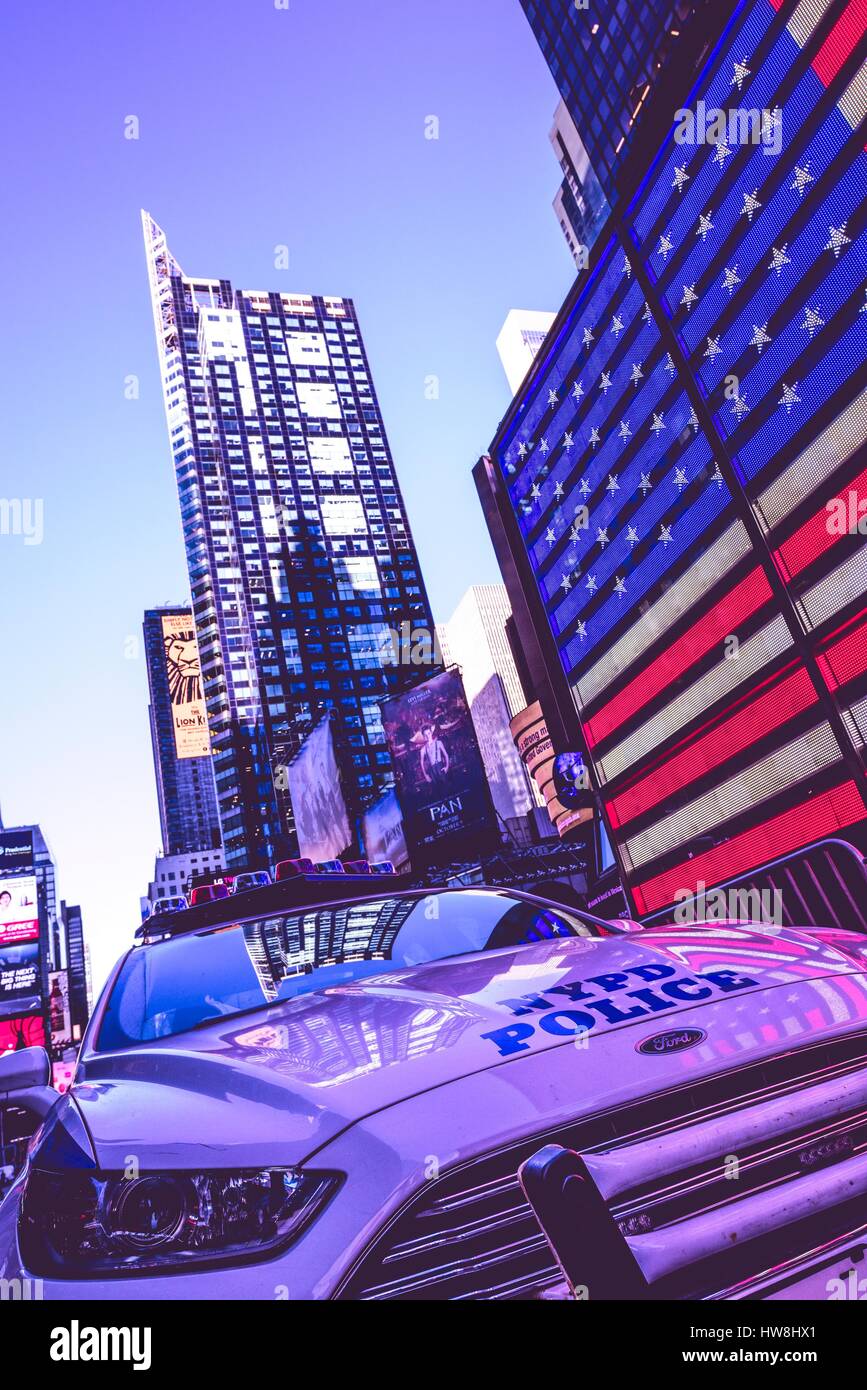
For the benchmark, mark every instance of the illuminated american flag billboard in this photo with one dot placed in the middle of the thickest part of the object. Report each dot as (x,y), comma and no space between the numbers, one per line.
(687,467)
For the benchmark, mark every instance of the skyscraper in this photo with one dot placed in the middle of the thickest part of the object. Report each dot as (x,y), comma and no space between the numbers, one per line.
(179,733)
(679,485)
(519,339)
(580,205)
(606,57)
(299,551)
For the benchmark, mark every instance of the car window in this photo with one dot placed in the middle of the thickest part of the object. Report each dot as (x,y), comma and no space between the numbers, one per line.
(172,986)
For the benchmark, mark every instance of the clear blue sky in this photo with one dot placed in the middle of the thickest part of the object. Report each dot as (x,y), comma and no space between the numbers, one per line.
(258,126)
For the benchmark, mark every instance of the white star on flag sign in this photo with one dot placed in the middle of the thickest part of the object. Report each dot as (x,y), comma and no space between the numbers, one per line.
(647,316)
(731,278)
(602,537)
(789,397)
(553,398)
(680,479)
(669,363)
(624,432)
(689,296)
(704,226)
(558,491)
(632,536)
(802,178)
(716,476)
(626,268)
(779,258)
(837,240)
(636,373)
(549,536)
(612,485)
(681,177)
(592,586)
(578,390)
(665,535)
(751,205)
(741,73)
(658,425)
(522,451)
(594,436)
(617,325)
(584,487)
(535,492)
(693,419)
(620,586)
(813,320)
(565,583)
(665,245)
(645,483)
(739,406)
(604,383)
(544,446)
(588,336)
(568,441)
(760,337)
(581,630)
(713,348)
(721,153)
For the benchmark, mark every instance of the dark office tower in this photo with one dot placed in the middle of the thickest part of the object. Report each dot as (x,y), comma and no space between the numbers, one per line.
(77,966)
(607,58)
(301,561)
(179,733)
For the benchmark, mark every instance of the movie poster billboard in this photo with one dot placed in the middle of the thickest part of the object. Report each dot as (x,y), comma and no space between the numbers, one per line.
(382,832)
(316,791)
(19,1032)
(59,1016)
(184,674)
(19,911)
(439,773)
(20,986)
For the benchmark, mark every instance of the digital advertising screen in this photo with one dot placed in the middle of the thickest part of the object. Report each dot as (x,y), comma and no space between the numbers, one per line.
(19,977)
(19,1032)
(59,1016)
(16,851)
(440,777)
(19,910)
(184,674)
(382,832)
(315,788)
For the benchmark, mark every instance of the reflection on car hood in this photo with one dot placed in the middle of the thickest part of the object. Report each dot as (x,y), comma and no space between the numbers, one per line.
(272,1087)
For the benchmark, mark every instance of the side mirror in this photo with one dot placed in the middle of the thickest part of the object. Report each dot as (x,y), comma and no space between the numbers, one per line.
(24,1080)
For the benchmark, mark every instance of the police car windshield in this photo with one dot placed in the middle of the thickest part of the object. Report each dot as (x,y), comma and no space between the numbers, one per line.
(177,985)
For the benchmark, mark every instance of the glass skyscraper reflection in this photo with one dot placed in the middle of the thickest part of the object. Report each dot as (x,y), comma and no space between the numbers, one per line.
(300,556)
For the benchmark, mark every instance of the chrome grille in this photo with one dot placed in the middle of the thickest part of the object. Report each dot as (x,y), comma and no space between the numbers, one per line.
(470,1234)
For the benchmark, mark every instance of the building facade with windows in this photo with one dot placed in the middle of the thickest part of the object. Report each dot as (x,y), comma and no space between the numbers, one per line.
(300,555)
(607,58)
(677,488)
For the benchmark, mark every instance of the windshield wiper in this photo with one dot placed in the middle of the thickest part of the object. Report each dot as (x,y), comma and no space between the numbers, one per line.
(236,1013)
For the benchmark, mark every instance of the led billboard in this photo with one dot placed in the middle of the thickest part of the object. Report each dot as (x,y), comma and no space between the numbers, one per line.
(19,910)
(686,467)
(184,674)
(382,832)
(16,851)
(316,792)
(21,1031)
(20,986)
(439,773)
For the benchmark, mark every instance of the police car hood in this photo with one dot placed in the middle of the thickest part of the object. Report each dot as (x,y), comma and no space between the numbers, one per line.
(275,1086)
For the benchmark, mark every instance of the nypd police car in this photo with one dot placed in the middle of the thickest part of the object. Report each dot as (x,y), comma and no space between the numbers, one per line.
(335,1100)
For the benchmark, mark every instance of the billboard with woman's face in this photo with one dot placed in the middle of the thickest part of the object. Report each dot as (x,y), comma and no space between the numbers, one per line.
(315,788)
(440,777)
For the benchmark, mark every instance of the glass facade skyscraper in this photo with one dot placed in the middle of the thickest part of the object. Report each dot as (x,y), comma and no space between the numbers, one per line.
(187,800)
(606,56)
(683,474)
(299,551)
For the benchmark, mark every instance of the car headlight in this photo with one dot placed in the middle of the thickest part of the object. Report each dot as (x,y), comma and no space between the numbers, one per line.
(79,1225)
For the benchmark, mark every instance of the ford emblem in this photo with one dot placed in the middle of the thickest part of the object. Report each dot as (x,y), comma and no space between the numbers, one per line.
(677,1040)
